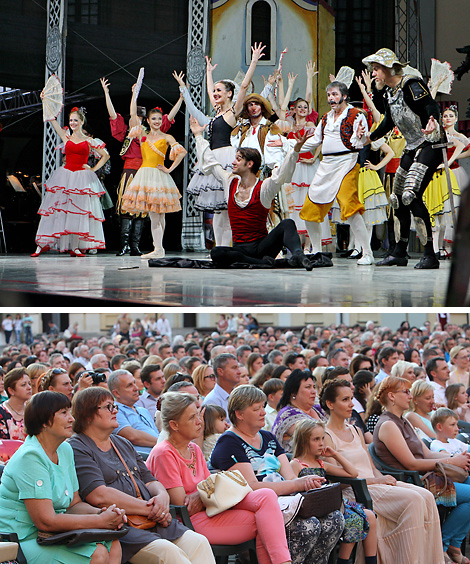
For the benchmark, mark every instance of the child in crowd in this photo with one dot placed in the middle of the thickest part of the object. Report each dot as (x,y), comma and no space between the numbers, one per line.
(273,392)
(360,523)
(445,425)
(457,400)
(214,425)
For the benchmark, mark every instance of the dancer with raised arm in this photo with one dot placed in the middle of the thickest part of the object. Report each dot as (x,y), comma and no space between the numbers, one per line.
(131,225)
(71,211)
(249,200)
(153,190)
(208,191)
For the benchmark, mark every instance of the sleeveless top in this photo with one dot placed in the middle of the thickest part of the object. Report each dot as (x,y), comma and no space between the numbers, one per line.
(76,155)
(248,223)
(406,429)
(309,471)
(353,451)
(219,133)
(153,154)
(305,155)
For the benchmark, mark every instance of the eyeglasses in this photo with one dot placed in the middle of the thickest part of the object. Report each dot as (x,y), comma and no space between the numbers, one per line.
(407,392)
(56,371)
(110,407)
(211,376)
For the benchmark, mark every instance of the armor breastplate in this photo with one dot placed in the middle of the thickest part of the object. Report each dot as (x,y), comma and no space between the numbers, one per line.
(406,120)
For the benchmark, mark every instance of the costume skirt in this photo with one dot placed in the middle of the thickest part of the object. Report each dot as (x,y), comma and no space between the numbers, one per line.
(372,194)
(207,190)
(71,207)
(151,190)
(436,198)
(298,187)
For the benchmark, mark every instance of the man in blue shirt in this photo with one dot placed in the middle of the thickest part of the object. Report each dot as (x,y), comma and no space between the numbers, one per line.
(135,423)
(227,372)
(154,381)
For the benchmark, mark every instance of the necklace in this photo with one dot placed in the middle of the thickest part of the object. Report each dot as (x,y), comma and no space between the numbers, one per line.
(13,409)
(191,463)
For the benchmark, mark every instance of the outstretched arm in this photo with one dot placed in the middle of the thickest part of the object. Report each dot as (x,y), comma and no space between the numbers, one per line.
(210,81)
(288,95)
(175,109)
(309,89)
(109,105)
(201,118)
(256,54)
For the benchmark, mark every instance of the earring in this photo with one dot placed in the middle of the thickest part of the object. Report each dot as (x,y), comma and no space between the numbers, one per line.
(293,397)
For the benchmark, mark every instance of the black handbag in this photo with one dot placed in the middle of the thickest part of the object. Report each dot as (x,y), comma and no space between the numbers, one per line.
(321,501)
(80,536)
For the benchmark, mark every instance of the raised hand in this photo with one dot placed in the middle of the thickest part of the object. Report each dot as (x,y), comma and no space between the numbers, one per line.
(257,51)
(360,84)
(367,79)
(292,78)
(179,78)
(302,138)
(209,66)
(105,84)
(311,69)
(331,77)
(328,452)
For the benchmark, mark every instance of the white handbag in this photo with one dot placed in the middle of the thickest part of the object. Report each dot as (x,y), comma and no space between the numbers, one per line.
(222,491)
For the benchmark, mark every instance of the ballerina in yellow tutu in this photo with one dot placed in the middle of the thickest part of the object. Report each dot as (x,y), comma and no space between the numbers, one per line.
(153,190)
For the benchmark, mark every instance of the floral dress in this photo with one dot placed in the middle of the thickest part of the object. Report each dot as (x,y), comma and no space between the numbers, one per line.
(10,428)
(356,524)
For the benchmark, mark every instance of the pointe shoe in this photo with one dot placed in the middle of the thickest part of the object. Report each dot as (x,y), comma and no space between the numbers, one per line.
(40,250)
(76,253)
(156,253)
(366,260)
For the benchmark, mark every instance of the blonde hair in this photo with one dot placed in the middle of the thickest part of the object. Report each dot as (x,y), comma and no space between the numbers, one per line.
(198,377)
(153,359)
(454,351)
(452,392)
(242,397)
(391,384)
(301,437)
(400,368)
(441,415)
(418,389)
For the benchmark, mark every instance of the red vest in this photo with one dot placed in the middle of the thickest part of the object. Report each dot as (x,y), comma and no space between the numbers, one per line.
(346,128)
(248,223)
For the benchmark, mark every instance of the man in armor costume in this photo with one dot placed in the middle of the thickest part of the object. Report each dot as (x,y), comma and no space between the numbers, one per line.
(410,107)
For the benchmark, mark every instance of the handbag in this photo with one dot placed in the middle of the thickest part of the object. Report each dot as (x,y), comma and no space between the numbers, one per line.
(321,501)
(441,486)
(222,491)
(80,536)
(455,473)
(135,521)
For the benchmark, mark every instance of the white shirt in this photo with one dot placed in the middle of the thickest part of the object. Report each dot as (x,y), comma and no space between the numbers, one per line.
(7,324)
(452,446)
(439,393)
(163,327)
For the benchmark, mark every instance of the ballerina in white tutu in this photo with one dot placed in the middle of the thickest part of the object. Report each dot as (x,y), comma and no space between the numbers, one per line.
(71,211)
(153,190)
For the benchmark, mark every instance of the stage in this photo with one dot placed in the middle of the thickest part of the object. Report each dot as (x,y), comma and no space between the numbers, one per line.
(104,279)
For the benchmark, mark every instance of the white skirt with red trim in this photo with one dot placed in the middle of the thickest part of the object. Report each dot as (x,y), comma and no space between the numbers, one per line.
(71,211)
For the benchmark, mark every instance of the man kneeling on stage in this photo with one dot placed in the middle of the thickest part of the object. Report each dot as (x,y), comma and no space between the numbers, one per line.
(249,200)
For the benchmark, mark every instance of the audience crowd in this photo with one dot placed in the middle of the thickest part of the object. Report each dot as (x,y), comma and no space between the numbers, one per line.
(283,406)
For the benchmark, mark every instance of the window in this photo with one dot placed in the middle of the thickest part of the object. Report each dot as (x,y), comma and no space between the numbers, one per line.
(261,26)
(83,11)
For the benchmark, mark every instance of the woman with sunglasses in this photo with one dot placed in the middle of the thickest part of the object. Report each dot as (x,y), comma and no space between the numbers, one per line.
(18,388)
(107,469)
(204,379)
(57,380)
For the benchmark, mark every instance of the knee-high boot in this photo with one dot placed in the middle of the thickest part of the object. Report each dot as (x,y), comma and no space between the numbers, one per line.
(126,223)
(138,227)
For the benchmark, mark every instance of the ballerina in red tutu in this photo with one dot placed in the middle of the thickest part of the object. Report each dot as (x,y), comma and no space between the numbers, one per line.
(71,211)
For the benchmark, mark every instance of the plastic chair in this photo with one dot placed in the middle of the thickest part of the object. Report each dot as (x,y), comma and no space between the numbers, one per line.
(221,551)
(403,475)
(359,487)
(8,447)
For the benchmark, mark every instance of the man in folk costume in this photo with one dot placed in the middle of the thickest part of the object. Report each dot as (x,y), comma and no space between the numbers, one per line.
(342,134)
(257,132)
(410,107)
(249,200)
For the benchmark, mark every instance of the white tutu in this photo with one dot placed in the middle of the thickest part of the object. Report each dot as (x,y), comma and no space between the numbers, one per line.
(299,185)
(208,191)
(71,211)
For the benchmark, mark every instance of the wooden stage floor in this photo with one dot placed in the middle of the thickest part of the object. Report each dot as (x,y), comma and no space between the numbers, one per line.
(60,280)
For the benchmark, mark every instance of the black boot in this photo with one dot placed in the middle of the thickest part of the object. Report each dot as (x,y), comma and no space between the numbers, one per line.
(138,224)
(126,223)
